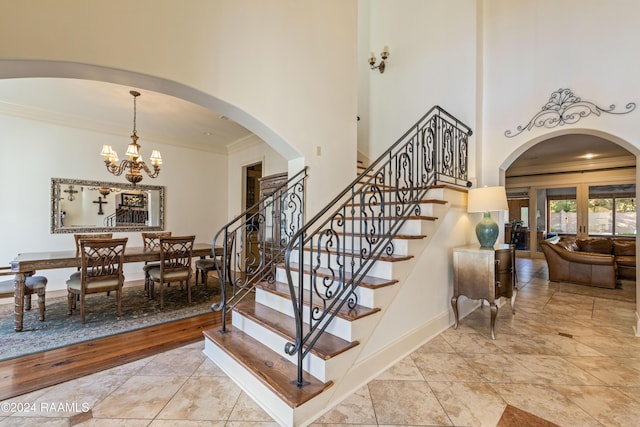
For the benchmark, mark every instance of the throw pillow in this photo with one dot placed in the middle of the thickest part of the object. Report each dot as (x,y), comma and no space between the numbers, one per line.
(599,246)
(568,244)
(624,247)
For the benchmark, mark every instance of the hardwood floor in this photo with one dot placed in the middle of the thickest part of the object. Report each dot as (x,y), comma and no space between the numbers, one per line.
(35,371)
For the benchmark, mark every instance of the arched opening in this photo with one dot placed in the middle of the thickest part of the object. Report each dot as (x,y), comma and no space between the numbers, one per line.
(569,184)
(578,184)
(16,69)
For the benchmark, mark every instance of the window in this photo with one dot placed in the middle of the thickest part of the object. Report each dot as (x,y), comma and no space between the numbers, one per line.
(612,210)
(563,214)
(625,216)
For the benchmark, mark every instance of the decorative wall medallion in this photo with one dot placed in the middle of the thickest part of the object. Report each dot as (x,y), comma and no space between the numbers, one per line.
(564,107)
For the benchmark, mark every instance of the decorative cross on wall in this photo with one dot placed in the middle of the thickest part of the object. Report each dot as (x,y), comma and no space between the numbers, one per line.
(100,202)
(71,192)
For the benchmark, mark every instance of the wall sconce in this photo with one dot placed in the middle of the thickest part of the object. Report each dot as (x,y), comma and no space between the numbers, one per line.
(381,66)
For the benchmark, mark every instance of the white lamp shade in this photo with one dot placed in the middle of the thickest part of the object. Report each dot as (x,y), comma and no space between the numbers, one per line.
(132,150)
(107,151)
(487,199)
(156,158)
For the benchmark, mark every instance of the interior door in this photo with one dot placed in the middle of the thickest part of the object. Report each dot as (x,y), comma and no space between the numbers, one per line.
(253,173)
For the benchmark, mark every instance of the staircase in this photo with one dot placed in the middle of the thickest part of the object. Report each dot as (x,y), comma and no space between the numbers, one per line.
(306,337)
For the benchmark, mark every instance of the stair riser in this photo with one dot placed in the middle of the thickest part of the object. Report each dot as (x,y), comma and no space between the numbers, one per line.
(319,368)
(392,209)
(434,193)
(381,269)
(401,246)
(339,327)
(366,296)
(412,227)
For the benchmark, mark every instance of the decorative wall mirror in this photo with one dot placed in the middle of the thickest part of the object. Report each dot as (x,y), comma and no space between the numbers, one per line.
(80,206)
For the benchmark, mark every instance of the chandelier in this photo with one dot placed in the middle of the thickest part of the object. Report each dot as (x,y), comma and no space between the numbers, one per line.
(134,165)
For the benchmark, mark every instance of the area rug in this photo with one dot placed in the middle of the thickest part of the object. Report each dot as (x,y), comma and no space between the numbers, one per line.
(138,311)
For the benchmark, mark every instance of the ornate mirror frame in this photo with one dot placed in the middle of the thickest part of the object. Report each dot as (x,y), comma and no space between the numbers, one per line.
(146,198)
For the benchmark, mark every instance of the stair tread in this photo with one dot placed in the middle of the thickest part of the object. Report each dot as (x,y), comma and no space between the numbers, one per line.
(271,368)
(345,312)
(367,281)
(326,347)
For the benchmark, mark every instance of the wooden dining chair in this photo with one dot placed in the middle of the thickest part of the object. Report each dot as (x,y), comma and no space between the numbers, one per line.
(151,241)
(175,264)
(33,285)
(100,271)
(204,266)
(82,236)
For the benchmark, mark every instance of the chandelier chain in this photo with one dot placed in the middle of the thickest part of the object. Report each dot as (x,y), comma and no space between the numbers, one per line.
(134,164)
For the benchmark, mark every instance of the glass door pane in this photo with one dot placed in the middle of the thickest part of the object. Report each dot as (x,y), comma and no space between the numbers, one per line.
(562,211)
(517,230)
(612,210)
(625,219)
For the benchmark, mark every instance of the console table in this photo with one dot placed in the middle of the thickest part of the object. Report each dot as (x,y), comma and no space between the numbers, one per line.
(32,261)
(484,274)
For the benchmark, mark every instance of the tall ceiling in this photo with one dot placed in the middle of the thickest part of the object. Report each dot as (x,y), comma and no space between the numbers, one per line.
(108,108)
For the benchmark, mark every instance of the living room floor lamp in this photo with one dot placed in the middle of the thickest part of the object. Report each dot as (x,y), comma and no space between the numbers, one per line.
(486,200)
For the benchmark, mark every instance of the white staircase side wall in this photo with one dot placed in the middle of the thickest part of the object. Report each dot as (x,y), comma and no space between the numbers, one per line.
(408,322)
(426,292)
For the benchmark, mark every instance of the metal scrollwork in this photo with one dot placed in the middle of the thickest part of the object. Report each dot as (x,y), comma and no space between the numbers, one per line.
(360,226)
(564,107)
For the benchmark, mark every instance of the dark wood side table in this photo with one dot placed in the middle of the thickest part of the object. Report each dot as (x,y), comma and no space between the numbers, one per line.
(484,274)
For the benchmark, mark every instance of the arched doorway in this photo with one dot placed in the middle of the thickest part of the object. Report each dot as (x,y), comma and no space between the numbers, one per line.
(590,174)
(570,185)
(25,69)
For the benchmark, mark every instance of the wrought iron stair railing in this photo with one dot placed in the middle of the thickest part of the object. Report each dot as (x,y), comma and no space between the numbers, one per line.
(340,245)
(255,241)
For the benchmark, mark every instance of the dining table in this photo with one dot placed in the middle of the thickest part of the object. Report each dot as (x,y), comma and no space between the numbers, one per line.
(28,262)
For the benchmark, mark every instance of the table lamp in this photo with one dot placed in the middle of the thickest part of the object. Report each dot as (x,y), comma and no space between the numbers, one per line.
(487,199)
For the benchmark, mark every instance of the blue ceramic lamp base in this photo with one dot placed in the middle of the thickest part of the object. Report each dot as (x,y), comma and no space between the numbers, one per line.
(487,231)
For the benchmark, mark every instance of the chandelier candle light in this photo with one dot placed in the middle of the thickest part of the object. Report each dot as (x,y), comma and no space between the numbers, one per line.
(487,199)
(134,164)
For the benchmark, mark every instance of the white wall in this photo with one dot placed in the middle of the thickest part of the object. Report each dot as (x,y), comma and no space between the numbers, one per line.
(286,70)
(533,48)
(432,61)
(31,153)
(249,152)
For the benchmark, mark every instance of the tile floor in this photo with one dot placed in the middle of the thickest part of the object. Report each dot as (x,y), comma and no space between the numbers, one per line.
(567,358)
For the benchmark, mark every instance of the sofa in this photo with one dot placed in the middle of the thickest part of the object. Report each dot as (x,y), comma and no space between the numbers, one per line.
(599,261)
